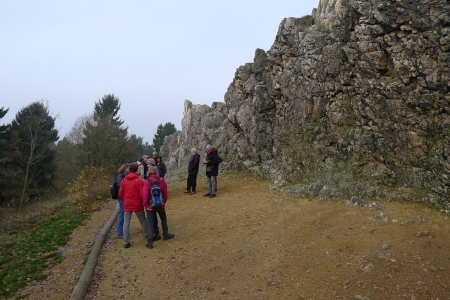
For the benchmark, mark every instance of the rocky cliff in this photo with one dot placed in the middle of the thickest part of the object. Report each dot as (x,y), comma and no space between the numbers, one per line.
(352,100)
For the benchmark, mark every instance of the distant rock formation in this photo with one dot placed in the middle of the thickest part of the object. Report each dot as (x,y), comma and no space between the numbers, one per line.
(353,100)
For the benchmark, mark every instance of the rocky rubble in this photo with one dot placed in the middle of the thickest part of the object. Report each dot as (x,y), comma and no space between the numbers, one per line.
(352,100)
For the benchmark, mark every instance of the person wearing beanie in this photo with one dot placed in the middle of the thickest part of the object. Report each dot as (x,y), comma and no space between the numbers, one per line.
(212,170)
(193,166)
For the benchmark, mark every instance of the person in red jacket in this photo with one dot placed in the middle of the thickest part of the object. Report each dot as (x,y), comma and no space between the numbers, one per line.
(151,213)
(131,193)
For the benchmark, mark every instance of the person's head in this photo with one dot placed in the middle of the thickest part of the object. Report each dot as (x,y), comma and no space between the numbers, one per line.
(122,168)
(152,170)
(151,162)
(144,158)
(127,169)
(208,147)
(140,159)
(193,151)
(155,155)
(159,159)
(133,167)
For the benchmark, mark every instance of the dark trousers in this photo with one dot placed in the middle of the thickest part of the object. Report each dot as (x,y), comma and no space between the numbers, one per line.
(151,215)
(192,182)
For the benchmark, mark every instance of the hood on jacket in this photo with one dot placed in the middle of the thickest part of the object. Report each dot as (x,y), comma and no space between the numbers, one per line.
(132,175)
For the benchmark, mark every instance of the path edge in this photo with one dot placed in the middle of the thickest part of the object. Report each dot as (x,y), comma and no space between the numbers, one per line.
(80,289)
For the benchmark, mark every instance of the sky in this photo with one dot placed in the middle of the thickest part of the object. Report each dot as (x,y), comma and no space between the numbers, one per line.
(152,55)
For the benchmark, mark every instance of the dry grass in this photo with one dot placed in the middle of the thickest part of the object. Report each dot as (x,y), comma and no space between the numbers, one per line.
(13,220)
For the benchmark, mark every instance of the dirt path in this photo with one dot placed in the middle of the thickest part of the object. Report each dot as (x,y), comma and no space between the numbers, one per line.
(63,277)
(250,243)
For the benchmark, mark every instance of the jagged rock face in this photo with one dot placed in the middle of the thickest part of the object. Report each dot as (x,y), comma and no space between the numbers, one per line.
(354,99)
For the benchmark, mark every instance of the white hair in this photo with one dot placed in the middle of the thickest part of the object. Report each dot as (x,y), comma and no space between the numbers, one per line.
(208,147)
(194,150)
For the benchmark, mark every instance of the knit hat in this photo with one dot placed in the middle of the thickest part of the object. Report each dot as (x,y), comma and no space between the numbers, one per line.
(208,147)
(151,161)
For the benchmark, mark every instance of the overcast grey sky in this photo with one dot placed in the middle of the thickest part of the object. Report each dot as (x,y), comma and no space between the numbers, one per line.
(152,55)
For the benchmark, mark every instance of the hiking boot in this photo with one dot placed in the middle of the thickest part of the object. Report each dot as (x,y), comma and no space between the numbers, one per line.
(156,238)
(193,193)
(212,195)
(207,195)
(149,245)
(187,191)
(127,245)
(169,236)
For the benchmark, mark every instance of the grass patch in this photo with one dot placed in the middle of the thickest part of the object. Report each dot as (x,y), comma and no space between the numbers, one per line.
(25,256)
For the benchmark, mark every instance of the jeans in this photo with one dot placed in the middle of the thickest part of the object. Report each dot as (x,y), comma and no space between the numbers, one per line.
(192,182)
(127,220)
(151,215)
(120,219)
(212,184)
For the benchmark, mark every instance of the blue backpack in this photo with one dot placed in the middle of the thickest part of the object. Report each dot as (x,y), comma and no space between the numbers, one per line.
(156,198)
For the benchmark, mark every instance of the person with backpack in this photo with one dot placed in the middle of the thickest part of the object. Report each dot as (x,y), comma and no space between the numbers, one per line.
(152,163)
(155,197)
(212,170)
(193,167)
(131,193)
(122,172)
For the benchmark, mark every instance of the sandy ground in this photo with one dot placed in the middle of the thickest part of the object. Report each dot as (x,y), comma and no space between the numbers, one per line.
(253,243)
(63,277)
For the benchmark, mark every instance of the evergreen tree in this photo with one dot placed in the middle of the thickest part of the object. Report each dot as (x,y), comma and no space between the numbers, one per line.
(161,132)
(107,108)
(137,148)
(31,159)
(4,148)
(3,135)
(104,141)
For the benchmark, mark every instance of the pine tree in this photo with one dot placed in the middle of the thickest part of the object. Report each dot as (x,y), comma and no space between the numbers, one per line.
(4,148)
(104,141)
(107,108)
(32,134)
(161,132)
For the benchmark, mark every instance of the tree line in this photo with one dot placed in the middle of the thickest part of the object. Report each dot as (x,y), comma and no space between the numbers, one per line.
(35,161)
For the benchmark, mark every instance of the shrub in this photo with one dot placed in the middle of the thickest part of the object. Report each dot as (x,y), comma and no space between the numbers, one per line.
(89,188)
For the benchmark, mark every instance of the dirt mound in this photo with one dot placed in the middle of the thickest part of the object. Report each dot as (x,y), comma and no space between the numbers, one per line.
(251,243)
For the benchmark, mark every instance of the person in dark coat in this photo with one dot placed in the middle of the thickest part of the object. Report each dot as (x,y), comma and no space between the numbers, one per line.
(193,167)
(212,170)
(162,170)
(121,173)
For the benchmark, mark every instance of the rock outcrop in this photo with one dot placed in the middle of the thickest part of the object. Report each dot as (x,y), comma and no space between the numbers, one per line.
(353,100)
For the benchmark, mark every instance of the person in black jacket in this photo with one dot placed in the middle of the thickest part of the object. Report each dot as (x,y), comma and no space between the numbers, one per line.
(121,173)
(193,166)
(212,170)
(162,170)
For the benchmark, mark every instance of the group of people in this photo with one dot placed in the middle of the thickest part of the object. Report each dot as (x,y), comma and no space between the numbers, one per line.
(135,182)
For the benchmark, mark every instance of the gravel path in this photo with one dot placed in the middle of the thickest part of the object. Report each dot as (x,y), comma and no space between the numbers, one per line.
(251,243)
